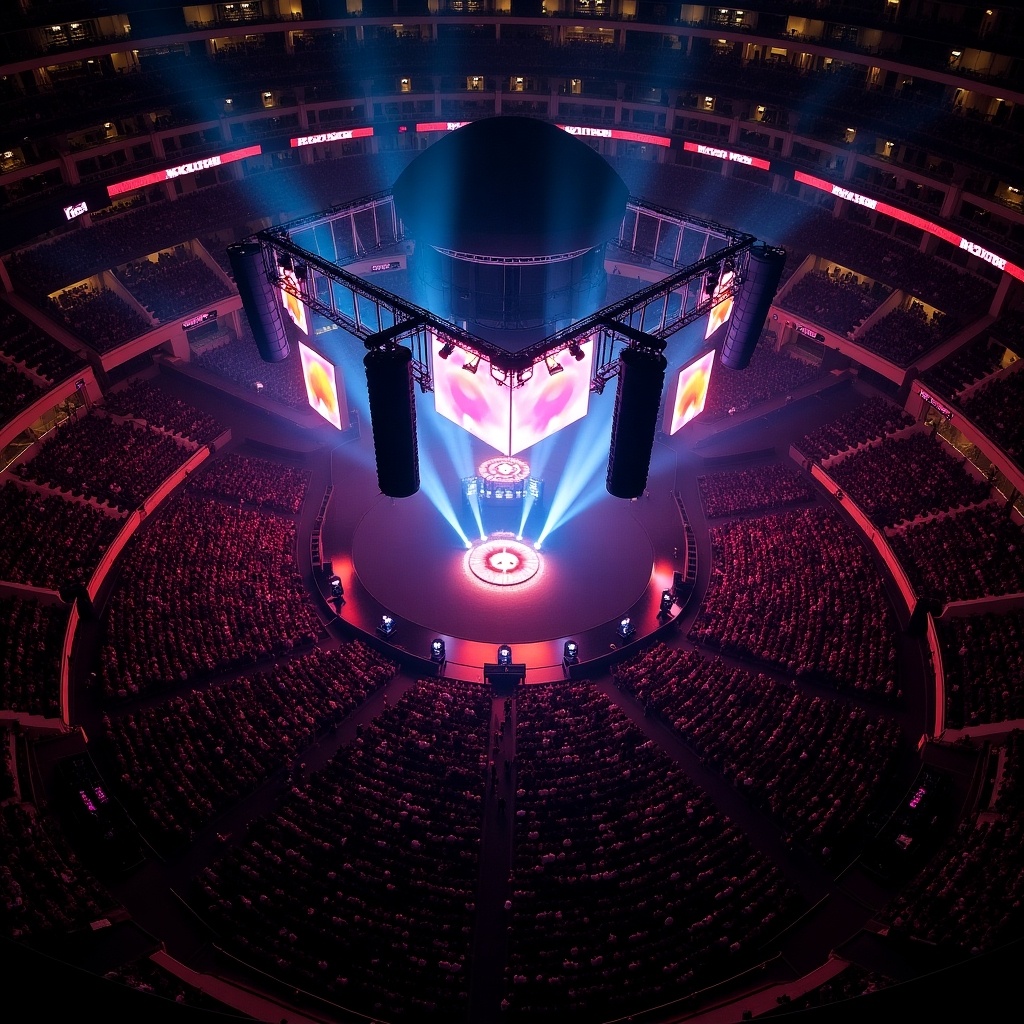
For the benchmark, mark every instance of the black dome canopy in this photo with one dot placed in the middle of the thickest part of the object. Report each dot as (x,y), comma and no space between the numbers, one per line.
(510,187)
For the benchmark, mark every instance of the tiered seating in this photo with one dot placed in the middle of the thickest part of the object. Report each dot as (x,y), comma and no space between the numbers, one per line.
(798,590)
(983,661)
(963,556)
(904,333)
(966,366)
(970,895)
(98,457)
(17,391)
(906,477)
(100,317)
(752,490)
(145,401)
(50,541)
(240,362)
(31,641)
(172,285)
(996,409)
(836,301)
(627,883)
(43,887)
(30,346)
(361,887)
(770,375)
(254,481)
(205,587)
(816,765)
(186,759)
(875,418)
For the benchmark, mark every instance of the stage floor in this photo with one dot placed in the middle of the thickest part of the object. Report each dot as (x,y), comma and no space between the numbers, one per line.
(403,558)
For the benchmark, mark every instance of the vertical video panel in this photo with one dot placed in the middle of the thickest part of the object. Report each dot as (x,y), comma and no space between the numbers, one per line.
(556,395)
(295,308)
(323,389)
(690,394)
(471,399)
(722,309)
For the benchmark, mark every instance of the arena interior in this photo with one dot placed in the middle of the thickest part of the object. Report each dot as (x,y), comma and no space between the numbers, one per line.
(513,509)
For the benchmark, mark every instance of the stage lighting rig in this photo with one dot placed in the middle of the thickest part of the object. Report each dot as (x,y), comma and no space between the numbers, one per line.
(553,365)
(437,651)
(571,652)
(504,655)
(576,351)
(387,625)
(446,350)
(473,364)
(626,628)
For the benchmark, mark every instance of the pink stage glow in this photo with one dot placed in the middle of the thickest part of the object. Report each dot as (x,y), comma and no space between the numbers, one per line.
(503,561)
(691,392)
(548,402)
(321,386)
(474,401)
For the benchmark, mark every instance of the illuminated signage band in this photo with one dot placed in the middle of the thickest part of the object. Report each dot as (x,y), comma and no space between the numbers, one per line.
(727,154)
(931,400)
(197,321)
(376,268)
(440,126)
(313,140)
(807,332)
(76,210)
(914,221)
(619,134)
(170,173)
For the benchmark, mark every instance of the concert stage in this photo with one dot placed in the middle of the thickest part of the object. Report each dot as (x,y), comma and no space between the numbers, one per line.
(402,558)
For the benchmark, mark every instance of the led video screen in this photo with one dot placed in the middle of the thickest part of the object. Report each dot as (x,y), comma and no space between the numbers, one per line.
(691,392)
(295,308)
(547,402)
(721,310)
(474,401)
(322,389)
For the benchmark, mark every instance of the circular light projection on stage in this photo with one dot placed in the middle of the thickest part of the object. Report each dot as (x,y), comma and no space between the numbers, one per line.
(503,471)
(503,561)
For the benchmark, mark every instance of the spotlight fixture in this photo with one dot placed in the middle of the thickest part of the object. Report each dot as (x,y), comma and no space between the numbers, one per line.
(626,628)
(667,600)
(337,590)
(571,652)
(446,350)
(576,351)
(473,365)
(437,652)
(553,365)
(504,655)
(387,625)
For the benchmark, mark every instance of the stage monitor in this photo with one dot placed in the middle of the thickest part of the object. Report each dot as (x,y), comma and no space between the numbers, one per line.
(322,388)
(719,314)
(548,401)
(690,393)
(295,307)
(471,398)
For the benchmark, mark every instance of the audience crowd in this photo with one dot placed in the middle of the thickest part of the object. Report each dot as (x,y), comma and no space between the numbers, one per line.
(872,420)
(44,889)
(31,642)
(905,477)
(904,333)
(962,556)
(175,283)
(965,367)
(240,362)
(836,299)
(770,375)
(995,408)
(184,760)
(31,347)
(205,587)
(628,886)
(361,887)
(97,457)
(799,591)
(50,541)
(248,480)
(100,317)
(970,897)
(983,663)
(143,400)
(752,490)
(817,765)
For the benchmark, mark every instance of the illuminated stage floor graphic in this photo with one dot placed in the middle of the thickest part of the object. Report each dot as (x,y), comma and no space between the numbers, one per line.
(405,559)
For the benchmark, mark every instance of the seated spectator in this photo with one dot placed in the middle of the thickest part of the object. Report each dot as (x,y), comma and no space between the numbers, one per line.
(752,490)
(31,642)
(874,419)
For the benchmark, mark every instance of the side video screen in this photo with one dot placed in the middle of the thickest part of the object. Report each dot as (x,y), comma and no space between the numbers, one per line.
(690,393)
(326,394)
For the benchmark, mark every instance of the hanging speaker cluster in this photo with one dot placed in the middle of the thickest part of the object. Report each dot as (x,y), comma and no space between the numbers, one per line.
(764,271)
(389,383)
(634,421)
(259,300)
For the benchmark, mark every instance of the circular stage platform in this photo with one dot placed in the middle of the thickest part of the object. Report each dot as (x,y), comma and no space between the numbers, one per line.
(411,561)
